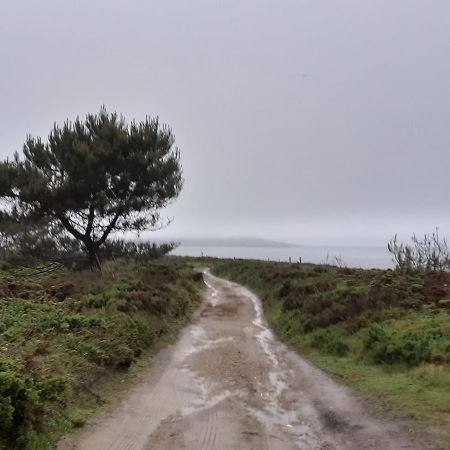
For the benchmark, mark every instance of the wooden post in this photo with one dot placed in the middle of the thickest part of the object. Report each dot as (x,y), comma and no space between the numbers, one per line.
(299,259)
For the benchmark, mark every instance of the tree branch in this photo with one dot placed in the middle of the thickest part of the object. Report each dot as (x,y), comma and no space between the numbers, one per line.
(108,229)
(70,228)
(90,220)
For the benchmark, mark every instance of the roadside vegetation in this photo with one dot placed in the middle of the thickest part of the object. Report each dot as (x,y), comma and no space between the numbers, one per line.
(65,333)
(384,332)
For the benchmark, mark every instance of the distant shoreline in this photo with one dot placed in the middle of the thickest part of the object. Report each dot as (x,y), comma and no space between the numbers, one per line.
(358,257)
(235,242)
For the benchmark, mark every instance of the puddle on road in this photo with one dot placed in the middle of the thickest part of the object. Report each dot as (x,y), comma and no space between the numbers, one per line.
(198,342)
(213,298)
(206,345)
(264,338)
(273,415)
(206,401)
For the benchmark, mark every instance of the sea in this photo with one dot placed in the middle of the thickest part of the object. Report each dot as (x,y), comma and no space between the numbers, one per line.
(344,256)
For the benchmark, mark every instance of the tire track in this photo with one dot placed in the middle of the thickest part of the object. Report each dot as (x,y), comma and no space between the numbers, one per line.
(131,440)
(212,432)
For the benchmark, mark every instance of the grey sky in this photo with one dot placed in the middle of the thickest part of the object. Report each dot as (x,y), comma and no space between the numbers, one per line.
(305,120)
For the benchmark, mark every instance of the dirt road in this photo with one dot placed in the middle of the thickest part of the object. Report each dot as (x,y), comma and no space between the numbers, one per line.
(229,384)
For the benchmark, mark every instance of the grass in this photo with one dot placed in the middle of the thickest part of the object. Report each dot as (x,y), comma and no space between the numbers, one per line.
(383,333)
(68,339)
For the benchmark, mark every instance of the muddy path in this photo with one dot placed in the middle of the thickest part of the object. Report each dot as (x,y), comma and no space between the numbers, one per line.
(229,384)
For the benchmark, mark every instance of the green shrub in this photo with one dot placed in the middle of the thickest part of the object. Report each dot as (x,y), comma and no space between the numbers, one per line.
(94,300)
(285,289)
(75,321)
(21,408)
(115,304)
(197,276)
(387,346)
(329,341)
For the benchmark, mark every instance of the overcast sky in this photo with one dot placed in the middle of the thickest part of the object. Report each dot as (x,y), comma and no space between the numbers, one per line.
(306,120)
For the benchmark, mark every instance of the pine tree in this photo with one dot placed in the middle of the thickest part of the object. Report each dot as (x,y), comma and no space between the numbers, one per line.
(96,176)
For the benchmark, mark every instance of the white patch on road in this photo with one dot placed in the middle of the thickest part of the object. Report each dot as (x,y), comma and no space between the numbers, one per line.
(213,295)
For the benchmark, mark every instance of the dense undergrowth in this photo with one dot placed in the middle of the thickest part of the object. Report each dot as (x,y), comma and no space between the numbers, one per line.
(385,333)
(62,333)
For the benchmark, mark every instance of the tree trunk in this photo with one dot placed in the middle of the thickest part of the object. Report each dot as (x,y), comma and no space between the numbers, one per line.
(94,260)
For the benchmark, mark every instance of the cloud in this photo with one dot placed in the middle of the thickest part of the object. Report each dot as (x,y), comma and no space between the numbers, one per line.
(317,120)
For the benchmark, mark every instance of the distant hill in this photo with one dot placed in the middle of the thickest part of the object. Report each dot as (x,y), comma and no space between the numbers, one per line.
(235,242)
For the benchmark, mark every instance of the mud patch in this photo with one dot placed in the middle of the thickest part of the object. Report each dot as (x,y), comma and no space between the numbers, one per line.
(333,421)
(225,311)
